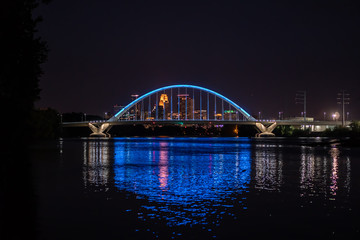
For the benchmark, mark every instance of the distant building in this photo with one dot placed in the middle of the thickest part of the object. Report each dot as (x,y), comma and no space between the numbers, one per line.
(163,100)
(134,97)
(135,112)
(200,114)
(108,115)
(308,119)
(186,106)
(164,107)
(218,116)
(230,114)
(117,108)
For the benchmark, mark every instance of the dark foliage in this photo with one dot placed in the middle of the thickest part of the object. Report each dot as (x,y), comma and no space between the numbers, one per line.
(290,131)
(22,54)
(45,124)
(355,127)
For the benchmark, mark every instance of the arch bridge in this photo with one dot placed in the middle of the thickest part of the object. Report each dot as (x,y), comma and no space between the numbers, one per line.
(180,104)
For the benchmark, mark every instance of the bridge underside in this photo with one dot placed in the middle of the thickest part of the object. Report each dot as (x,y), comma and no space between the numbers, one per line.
(213,122)
(265,128)
(160,122)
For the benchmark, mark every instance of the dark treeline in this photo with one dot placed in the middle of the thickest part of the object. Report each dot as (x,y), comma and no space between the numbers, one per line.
(289,131)
(21,56)
(46,124)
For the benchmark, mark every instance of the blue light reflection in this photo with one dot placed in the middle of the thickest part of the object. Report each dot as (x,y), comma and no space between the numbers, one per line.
(182,172)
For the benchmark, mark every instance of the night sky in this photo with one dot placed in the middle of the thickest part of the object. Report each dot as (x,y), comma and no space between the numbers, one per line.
(257,53)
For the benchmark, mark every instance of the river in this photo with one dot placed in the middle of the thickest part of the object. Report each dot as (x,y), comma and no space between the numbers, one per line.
(195,188)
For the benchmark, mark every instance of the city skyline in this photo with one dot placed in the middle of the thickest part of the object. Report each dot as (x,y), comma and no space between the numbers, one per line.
(163,101)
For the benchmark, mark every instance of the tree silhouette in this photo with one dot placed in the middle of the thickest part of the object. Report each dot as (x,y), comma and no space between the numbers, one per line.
(21,56)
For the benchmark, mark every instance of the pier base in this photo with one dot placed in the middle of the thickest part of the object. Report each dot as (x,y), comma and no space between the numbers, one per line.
(265,131)
(101,131)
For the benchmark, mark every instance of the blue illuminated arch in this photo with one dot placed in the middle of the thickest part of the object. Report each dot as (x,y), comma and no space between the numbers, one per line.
(130,105)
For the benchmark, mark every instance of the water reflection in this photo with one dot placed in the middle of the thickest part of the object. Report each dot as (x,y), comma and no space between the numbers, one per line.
(334,152)
(324,174)
(96,163)
(268,167)
(195,175)
(347,178)
(307,169)
(184,171)
(186,180)
(163,166)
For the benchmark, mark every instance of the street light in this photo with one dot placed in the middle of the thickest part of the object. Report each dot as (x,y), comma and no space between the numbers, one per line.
(336,116)
(324,116)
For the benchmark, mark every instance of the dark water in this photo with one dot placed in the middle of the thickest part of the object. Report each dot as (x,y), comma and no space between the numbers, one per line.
(195,188)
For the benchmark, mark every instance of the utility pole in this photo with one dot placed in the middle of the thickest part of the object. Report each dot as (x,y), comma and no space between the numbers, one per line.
(343,99)
(301,99)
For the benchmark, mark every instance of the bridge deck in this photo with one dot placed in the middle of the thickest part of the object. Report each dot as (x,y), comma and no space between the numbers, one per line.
(212,122)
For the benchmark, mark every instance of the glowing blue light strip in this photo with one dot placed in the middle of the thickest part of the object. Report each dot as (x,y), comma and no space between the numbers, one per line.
(119,114)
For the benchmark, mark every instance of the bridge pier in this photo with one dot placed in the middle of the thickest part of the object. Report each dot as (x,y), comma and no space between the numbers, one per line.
(101,131)
(265,131)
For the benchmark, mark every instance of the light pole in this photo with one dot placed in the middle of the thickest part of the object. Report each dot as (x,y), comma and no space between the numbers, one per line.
(343,99)
(324,116)
(84,117)
(259,115)
(301,99)
(281,113)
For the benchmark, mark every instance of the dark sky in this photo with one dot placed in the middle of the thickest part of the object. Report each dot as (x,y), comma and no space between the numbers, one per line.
(257,53)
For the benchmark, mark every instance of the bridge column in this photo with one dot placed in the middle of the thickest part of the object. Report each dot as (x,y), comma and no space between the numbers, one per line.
(215,107)
(101,131)
(265,131)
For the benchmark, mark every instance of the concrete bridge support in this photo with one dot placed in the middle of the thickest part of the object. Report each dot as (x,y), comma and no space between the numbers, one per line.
(100,131)
(265,131)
